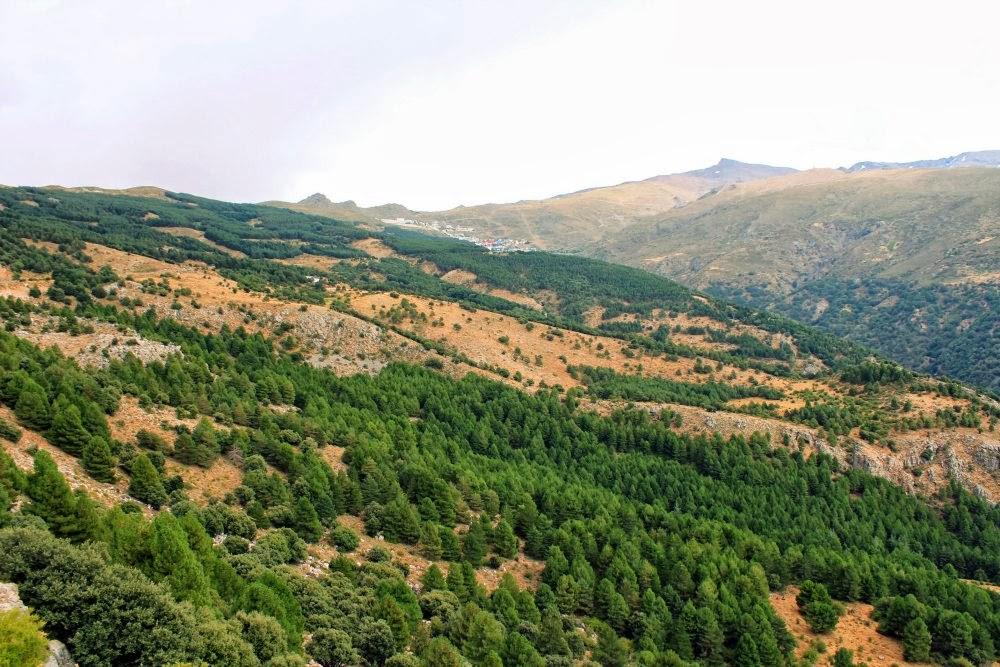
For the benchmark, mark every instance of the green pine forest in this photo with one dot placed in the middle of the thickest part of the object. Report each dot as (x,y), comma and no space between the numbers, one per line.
(659,548)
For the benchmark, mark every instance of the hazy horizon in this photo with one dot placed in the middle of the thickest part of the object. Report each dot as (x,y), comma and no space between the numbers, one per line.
(443,104)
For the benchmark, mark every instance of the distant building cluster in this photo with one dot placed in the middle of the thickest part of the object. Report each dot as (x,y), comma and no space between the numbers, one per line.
(464,234)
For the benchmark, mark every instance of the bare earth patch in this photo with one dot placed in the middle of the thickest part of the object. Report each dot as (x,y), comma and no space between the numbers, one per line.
(374,247)
(855,631)
(105,494)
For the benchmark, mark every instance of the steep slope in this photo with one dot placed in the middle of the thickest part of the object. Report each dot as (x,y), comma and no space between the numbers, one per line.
(339,452)
(530,319)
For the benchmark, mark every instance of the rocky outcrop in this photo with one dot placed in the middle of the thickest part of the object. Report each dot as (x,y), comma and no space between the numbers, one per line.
(58,653)
(988,456)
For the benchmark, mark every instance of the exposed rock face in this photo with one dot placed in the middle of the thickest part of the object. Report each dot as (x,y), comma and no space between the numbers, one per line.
(58,654)
(988,456)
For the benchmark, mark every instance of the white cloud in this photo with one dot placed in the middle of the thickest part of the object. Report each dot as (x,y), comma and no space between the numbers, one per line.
(435,104)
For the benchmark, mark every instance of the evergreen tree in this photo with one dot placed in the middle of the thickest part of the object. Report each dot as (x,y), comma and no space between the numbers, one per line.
(504,540)
(433,580)
(451,549)
(485,636)
(440,653)
(98,461)
(53,500)
(400,521)
(843,658)
(332,648)
(456,582)
(375,642)
(474,544)
(145,484)
(551,638)
(916,641)
(519,651)
(174,562)
(746,652)
(610,650)
(822,617)
(67,431)
(186,450)
(430,542)
(32,407)
(305,521)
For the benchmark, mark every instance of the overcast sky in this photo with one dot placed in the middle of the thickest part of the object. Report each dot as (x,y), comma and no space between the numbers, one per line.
(434,104)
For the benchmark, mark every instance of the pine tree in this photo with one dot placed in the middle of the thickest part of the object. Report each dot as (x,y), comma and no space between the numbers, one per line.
(430,542)
(32,407)
(610,650)
(504,540)
(551,638)
(146,484)
(433,580)
(456,583)
(843,658)
(305,521)
(746,652)
(387,610)
(451,549)
(485,636)
(519,651)
(52,499)
(474,544)
(916,641)
(186,450)
(440,653)
(98,461)
(67,431)
(174,562)
(206,443)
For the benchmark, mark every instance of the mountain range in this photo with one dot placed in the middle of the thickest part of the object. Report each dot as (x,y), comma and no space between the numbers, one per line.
(240,435)
(904,257)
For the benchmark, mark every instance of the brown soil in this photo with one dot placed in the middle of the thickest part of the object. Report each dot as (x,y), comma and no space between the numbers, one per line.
(318,262)
(329,339)
(374,247)
(479,333)
(105,494)
(19,288)
(207,484)
(855,631)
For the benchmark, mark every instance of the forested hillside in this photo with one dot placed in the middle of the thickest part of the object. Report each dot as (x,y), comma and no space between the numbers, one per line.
(240,435)
(902,258)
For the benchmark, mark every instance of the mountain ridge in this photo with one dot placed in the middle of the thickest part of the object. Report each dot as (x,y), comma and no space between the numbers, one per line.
(988,158)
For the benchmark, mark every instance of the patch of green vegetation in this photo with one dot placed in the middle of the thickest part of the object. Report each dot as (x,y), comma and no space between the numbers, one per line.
(606,383)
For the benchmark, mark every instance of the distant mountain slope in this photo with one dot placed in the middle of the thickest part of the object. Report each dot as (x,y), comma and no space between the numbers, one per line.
(907,261)
(734,171)
(967,159)
(903,257)
(566,221)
